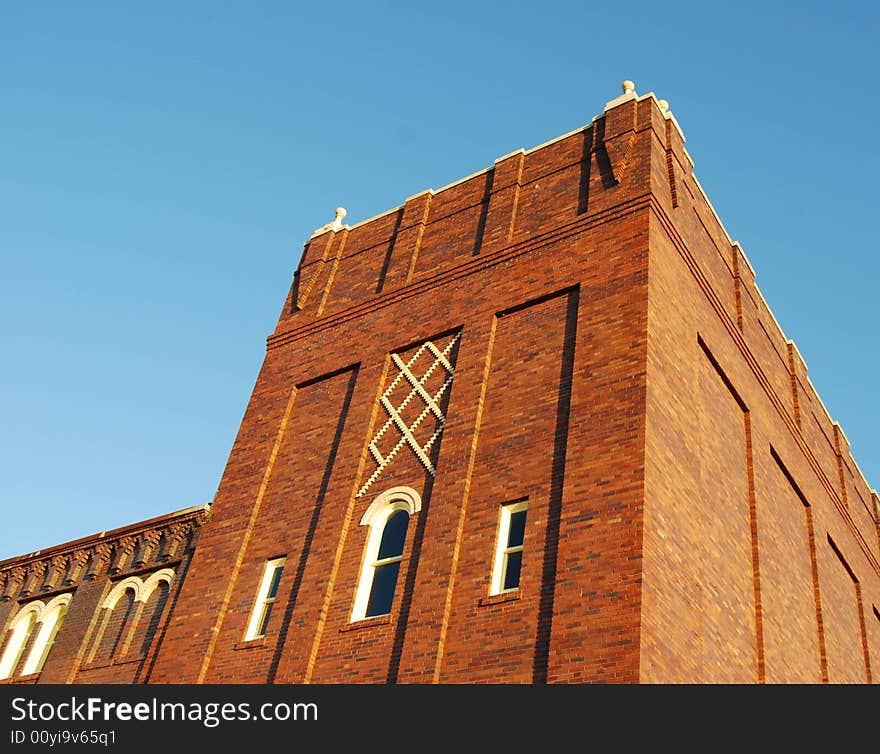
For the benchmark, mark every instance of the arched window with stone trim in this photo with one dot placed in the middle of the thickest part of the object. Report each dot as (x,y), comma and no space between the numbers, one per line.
(17,636)
(388,520)
(118,617)
(30,636)
(155,597)
(49,624)
(129,611)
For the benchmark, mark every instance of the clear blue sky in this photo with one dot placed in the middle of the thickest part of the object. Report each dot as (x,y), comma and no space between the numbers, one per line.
(162,164)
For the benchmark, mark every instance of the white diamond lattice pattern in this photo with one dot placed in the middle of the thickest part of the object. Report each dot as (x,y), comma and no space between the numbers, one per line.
(418,392)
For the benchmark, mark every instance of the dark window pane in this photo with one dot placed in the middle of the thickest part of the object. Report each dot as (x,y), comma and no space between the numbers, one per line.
(273,587)
(382,592)
(393,536)
(264,621)
(511,573)
(517,529)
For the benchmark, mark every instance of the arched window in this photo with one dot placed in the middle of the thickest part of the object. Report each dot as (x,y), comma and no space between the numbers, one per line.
(122,625)
(51,620)
(154,608)
(388,518)
(20,631)
(43,618)
(120,621)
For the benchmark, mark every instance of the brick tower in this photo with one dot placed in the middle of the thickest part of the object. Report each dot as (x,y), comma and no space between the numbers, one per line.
(606,460)
(536,426)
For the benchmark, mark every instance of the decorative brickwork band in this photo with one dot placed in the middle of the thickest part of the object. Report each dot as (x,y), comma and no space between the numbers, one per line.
(75,565)
(57,567)
(97,558)
(146,546)
(34,578)
(121,550)
(10,586)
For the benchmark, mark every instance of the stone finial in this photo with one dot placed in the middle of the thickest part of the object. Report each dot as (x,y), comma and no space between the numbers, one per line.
(664,105)
(629,93)
(335,225)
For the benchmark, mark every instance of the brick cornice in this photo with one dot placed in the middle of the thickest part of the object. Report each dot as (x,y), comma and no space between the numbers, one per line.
(98,546)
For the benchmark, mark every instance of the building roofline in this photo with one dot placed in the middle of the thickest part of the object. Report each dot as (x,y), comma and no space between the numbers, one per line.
(107,534)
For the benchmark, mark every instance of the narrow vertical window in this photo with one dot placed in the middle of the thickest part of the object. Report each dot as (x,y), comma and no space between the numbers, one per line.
(388,518)
(509,548)
(265,599)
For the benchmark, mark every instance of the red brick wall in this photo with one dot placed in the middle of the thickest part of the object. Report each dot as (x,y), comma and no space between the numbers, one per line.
(88,649)
(748,480)
(541,264)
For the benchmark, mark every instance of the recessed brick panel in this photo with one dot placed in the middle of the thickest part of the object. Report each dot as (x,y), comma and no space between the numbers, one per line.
(791,628)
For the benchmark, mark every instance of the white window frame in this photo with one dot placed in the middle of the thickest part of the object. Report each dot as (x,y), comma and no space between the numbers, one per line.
(376,516)
(499,565)
(263,601)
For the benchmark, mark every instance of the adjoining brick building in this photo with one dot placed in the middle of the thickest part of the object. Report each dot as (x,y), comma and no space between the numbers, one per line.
(537,426)
(94,610)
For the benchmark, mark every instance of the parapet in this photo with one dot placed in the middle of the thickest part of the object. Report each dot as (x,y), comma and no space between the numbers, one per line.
(524,196)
